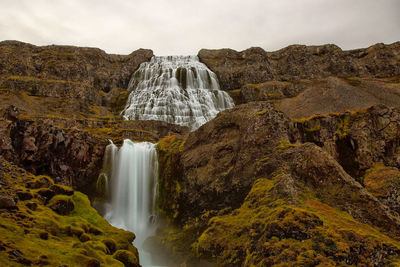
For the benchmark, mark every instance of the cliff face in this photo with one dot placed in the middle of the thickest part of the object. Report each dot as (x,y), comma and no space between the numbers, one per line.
(308,80)
(253,187)
(60,104)
(89,66)
(254,65)
(303,171)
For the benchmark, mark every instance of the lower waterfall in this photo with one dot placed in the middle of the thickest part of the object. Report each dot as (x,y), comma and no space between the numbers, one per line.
(129,184)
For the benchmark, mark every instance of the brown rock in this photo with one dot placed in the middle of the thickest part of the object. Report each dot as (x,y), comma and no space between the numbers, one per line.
(93,263)
(87,66)
(62,206)
(235,69)
(61,190)
(31,205)
(111,245)
(44,235)
(24,195)
(84,238)
(46,194)
(7,203)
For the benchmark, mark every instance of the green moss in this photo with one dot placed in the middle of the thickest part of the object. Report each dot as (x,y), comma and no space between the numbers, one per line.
(22,230)
(293,234)
(343,126)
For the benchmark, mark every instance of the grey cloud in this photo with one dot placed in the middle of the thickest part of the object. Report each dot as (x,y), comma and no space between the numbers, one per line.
(184,27)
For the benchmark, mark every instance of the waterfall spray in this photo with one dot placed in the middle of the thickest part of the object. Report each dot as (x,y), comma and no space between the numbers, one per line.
(130,187)
(176,89)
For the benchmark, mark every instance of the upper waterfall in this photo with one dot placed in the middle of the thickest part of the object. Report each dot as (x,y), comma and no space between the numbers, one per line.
(176,89)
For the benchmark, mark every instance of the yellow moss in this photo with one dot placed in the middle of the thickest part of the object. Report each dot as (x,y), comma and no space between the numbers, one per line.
(284,144)
(379,180)
(22,230)
(262,112)
(343,126)
(230,238)
(35,79)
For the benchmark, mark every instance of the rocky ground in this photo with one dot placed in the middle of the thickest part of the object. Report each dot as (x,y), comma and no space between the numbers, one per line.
(303,171)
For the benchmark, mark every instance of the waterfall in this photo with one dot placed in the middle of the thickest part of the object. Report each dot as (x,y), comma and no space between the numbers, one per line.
(130,186)
(176,89)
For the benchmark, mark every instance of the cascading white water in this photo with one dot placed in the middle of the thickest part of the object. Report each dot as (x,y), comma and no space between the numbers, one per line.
(176,89)
(132,189)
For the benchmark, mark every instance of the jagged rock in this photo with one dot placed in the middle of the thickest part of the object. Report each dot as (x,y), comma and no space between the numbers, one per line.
(216,157)
(90,66)
(356,140)
(235,69)
(245,184)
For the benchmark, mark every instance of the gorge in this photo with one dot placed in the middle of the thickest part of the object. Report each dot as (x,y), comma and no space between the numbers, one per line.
(302,170)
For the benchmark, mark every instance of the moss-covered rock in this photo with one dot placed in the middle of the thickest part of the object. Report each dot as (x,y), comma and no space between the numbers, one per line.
(128,258)
(246,190)
(36,235)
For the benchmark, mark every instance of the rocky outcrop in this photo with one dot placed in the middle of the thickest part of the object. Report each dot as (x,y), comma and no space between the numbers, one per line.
(87,66)
(333,95)
(308,80)
(65,81)
(249,189)
(357,140)
(235,69)
(71,151)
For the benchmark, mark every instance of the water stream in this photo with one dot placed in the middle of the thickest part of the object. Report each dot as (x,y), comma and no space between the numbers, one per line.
(129,180)
(176,89)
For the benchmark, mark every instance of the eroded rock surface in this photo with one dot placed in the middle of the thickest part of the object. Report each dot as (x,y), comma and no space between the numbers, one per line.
(250,188)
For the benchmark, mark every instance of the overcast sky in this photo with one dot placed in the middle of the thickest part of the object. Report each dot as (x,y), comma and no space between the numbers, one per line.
(171,27)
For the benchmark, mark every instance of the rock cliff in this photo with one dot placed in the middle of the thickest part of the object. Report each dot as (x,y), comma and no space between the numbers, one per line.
(308,80)
(303,171)
(253,187)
